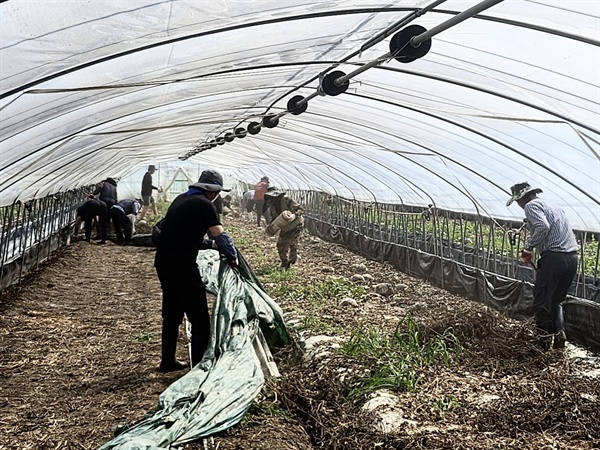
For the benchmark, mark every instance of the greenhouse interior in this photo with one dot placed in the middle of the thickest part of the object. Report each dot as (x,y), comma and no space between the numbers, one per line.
(415,137)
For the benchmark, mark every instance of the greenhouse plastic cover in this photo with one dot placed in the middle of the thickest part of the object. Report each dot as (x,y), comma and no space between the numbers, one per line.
(102,88)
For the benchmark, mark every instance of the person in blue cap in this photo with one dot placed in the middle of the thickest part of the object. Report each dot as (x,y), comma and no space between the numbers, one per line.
(191,217)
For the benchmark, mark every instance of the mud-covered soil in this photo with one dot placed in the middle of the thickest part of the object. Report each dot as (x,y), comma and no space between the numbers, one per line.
(80,345)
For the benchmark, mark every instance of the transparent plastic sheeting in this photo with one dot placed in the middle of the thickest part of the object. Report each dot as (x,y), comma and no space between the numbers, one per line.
(215,394)
(97,89)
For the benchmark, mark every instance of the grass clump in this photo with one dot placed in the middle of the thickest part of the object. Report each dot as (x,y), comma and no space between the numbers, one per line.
(315,293)
(317,326)
(269,273)
(396,362)
(143,337)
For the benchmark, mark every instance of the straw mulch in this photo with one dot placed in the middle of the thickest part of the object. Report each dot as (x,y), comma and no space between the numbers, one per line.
(80,344)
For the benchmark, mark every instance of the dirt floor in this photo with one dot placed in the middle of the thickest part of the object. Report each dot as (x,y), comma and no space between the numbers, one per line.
(80,345)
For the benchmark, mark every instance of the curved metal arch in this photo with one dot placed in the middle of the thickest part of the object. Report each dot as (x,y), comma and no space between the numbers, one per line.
(58,176)
(407,157)
(289,19)
(450,12)
(311,156)
(200,34)
(485,136)
(348,162)
(300,175)
(407,180)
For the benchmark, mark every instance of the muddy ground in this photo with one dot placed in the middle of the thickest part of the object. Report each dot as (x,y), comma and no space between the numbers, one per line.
(80,345)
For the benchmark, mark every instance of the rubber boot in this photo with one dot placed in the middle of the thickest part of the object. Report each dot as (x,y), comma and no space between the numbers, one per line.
(560,340)
(170,333)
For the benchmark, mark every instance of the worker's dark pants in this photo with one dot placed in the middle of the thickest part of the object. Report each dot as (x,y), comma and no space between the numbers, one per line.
(183,292)
(123,226)
(259,211)
(87,227)
(553,279)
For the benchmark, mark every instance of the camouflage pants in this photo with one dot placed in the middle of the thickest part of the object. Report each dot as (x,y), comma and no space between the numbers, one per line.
(287,245)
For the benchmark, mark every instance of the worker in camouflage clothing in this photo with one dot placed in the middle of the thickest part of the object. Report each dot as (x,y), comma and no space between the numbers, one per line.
(276,202)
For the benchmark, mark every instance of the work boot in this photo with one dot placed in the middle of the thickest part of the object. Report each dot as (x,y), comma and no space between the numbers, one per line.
(560,339)
(546,342)
(171,366)
(170,333)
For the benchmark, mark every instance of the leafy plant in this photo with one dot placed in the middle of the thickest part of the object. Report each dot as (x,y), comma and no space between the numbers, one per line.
(143,337)
(446,403)
(317,325)
(269,273)
(331,288)
(395,362)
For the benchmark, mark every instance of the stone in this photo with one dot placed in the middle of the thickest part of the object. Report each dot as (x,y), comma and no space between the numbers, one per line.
(384,289)
(348,301)
(359,268)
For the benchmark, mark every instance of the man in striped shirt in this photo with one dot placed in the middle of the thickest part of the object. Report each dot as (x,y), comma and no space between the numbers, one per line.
(551,233)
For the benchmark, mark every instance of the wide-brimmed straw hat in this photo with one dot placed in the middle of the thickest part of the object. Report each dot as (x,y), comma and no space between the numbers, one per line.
(210,180)
(521,190)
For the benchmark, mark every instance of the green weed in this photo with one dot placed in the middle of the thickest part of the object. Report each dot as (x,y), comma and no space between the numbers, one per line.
(396,362)
(446,403)
(317,326)
(143,337)
(317,292)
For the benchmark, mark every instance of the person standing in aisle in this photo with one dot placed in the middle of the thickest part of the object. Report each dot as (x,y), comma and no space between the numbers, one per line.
(260,189)
(147,188)
(276,202)
(552,235)
(119,213)
(190,217)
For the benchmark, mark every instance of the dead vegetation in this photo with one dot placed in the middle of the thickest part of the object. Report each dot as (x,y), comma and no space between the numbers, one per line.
(80,342)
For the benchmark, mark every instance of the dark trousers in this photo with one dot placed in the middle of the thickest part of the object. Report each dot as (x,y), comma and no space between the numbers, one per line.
(183,292)
(259,210)
(88,222)
(553,279)
(123,226)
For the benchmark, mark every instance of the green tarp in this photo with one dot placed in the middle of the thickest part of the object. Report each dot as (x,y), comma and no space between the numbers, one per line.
(215,394)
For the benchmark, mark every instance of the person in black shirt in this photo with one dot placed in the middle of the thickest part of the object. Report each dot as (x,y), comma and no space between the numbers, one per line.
(93,209)
(190,217)
(119,214)
(147,188)
(107,191)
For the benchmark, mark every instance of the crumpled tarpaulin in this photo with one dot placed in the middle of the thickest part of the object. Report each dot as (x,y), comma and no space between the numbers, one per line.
(215,394)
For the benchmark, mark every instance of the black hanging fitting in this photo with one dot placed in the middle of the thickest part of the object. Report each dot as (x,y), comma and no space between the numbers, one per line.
(240,132)
(270,121)
(220,140)
(329,86)
(292,105)
(401,48)
(229,137)
(254,128)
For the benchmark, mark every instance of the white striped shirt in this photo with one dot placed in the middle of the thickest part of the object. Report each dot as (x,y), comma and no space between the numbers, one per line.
(549,228)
